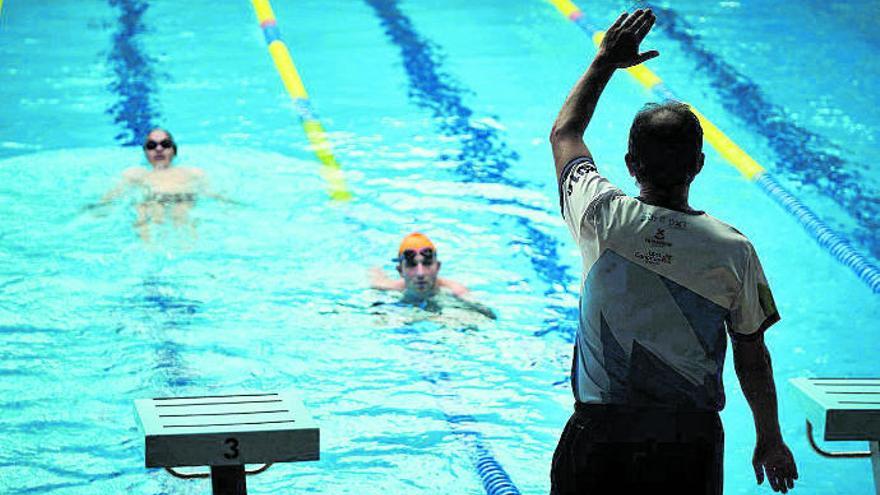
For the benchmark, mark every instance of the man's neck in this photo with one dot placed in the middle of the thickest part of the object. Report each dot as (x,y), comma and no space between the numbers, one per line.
(673,198)
(414,297)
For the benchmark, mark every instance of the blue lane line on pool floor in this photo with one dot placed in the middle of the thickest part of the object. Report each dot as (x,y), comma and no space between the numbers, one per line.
(161,298)
(135,111)
(484,157)
(802,154)
(133,82)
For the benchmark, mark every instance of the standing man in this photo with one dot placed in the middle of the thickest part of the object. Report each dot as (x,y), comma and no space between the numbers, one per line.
(662,284)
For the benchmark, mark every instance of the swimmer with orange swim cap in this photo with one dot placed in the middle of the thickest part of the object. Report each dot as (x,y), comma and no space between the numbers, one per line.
(418,267)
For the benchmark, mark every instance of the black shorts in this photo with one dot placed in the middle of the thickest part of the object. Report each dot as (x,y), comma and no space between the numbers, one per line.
(622,450)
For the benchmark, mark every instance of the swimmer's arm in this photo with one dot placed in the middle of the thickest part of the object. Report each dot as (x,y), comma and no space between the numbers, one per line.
(130,177)
(619,49)
(380,281)
(222,198)
(203,187)
(111,195)
(464,295)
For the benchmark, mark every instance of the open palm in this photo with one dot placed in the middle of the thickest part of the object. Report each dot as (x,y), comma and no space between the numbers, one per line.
(620,46)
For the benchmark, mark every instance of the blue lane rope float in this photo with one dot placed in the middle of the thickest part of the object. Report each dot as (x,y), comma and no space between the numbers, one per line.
(495,479)
(834,243)
(331,171)
(827,238)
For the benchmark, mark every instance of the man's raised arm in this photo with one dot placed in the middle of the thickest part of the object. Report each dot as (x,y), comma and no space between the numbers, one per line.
(619,49)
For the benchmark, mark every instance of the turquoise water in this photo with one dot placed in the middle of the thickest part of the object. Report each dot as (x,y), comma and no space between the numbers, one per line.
(439,116)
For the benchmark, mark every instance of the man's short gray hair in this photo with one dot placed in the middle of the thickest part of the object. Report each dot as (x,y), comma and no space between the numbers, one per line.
(664,142)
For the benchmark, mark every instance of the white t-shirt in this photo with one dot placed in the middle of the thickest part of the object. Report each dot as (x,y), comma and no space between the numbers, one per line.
(659,290)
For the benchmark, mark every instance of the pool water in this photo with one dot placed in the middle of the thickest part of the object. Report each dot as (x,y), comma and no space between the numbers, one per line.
(439,116)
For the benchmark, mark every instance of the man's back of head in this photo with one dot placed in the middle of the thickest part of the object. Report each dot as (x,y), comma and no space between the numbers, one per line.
(665,145)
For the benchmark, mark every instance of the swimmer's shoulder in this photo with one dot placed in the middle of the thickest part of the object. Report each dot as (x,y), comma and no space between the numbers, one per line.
(193,172)
(134,175)
(456,288)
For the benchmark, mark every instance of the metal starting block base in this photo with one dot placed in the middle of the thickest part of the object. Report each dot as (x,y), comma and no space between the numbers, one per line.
(843,409)
(226,432)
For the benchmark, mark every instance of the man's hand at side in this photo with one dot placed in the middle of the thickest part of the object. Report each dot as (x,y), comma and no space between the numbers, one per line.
(774,457)
(751,360)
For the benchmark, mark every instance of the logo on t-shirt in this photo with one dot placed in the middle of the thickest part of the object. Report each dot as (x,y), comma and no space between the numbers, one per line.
(670,221)
(576,174)
(652,257)
(658,239)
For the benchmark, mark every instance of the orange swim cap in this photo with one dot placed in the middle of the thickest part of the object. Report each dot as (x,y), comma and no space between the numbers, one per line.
(415,241)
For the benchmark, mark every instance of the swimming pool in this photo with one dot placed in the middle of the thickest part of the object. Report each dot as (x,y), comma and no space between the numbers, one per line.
(439,117)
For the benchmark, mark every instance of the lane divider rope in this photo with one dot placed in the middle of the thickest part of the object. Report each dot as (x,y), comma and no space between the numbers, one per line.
(331,171)
(835,244)
(492,475)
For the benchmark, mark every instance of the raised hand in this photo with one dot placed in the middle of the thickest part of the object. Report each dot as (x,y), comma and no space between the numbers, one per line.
(620,46)
(775,458)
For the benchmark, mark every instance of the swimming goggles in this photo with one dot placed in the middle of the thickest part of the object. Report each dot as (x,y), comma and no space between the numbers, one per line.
(166,143)
(408,256)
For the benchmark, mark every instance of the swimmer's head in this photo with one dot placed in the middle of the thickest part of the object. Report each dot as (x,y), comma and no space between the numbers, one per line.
(160,148)
(417,263)
(665,145)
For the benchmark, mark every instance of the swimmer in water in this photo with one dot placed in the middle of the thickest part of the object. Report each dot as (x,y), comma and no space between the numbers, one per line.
(418,267)
(168,192)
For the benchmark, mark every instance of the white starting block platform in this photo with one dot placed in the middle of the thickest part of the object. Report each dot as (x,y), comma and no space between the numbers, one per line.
(844,409)
(227,430)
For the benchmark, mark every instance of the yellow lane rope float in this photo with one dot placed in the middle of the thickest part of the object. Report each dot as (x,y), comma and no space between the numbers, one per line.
(331,171)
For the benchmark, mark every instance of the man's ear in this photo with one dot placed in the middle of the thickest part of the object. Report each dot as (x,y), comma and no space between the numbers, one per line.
(399,270)
(438,266)
(631,165)
(700,161)
(697,167)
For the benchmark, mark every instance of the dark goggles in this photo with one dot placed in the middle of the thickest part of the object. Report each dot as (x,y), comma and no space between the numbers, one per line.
(408,257)
(166,143)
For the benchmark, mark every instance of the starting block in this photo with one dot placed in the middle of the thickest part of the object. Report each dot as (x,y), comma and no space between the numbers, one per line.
(226,432)
(843,409)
